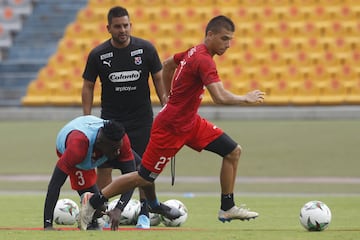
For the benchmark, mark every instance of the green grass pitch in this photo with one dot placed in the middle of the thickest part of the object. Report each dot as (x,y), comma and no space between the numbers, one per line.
(284,164)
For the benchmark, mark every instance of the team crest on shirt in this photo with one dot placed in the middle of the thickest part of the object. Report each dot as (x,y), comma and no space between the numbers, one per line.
(137,60)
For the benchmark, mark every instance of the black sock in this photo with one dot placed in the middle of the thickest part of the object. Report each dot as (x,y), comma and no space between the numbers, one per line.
(97,200)
(144,208)
(227,201)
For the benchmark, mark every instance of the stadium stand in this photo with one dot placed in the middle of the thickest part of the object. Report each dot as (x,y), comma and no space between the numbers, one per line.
(301,52)
(32,29)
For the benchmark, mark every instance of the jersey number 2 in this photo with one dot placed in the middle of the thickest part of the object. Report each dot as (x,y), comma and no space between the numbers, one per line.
(161,163)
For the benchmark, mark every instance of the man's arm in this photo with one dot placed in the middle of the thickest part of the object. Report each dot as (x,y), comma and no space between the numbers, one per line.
(222,96)
(160,88)
(87,96)
(57,180)
(169,67)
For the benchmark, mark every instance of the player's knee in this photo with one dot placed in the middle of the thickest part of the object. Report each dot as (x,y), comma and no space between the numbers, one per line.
(235,154)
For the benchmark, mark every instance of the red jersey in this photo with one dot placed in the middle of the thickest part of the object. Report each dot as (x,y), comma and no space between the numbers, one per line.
(77,145)
(196,69)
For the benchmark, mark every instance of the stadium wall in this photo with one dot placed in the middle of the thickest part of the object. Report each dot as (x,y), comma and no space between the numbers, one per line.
(210,112)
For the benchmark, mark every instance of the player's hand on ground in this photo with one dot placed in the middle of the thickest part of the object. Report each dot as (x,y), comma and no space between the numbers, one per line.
(114,216)
(255,96)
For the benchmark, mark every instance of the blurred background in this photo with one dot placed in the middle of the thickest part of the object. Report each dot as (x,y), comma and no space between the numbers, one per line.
(301,52)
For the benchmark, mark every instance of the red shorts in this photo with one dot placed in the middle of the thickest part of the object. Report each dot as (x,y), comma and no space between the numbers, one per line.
(164,144)
(82,179)
(79,179)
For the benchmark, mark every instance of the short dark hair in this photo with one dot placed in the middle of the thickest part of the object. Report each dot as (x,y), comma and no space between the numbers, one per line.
(116,12)
(113,130)
(219,22)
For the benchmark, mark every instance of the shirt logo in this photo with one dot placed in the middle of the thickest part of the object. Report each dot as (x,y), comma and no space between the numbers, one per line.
(138,60)
(137,52)
(126,76)
(107,63)
(106,55)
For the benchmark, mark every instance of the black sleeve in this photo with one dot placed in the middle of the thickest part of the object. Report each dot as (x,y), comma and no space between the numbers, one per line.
(126,167)
(57,180)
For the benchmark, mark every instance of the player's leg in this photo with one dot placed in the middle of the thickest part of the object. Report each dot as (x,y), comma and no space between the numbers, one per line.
(160,150)
(143,220)
(139,138)
(209,137)
(228,210)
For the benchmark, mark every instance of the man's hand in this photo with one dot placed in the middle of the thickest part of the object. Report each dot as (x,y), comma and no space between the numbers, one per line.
(255,96)
(114,216)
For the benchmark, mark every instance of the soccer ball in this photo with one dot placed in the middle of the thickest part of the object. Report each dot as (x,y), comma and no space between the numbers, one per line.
(130,213)
(178,221)
(315,216)
(154,219)
(66,212)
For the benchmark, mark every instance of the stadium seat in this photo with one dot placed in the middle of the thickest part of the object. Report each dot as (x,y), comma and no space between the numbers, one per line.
(69,44)
(333,91)
(5,38)
(353,91)
(306,92)
(280,92)
(290,49)
(21,7)
(9,19)
(38,93)
(68,93)
(88,15)
(176,3)
(101,3)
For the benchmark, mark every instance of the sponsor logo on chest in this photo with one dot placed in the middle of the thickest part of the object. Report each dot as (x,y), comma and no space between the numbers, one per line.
(125,76)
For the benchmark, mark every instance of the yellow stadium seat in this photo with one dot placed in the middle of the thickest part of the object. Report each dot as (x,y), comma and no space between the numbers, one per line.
(353,93)
(149,3)
(333,91)
(294,50)
(69,45)
(67,93)
(280,92)
(177,3)
(75,30)
(306,92)
(37,94)
(88,14)
(108,3)
(292,12)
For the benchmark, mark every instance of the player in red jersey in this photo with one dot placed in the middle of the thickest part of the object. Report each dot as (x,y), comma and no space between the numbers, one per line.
(82,145)
(187,74)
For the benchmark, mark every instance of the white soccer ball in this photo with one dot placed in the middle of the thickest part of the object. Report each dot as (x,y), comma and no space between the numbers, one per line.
(315,216)
(178,221)
(154,219)
(66,212)
(130,213)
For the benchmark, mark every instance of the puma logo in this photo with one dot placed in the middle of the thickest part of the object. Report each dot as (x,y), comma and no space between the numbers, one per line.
(107,63)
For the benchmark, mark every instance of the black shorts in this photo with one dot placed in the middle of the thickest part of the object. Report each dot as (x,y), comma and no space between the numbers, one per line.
(223,145)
